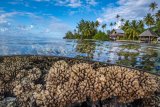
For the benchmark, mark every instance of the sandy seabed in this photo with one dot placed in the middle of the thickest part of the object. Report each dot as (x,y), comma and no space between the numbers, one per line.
(45,81)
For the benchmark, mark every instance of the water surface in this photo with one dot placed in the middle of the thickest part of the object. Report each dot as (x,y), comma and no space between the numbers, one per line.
(138,55)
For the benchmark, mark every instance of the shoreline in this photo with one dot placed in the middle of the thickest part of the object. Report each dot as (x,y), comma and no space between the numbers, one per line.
(131,41)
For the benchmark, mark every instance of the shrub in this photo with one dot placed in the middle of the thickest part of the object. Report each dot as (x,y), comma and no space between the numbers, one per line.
(101,36)
(69,35)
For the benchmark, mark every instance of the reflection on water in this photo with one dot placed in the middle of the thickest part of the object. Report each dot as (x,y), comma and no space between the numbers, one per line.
(86,48)
(143,56)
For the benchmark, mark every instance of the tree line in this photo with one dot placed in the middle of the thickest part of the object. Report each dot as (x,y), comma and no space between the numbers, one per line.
(132,28)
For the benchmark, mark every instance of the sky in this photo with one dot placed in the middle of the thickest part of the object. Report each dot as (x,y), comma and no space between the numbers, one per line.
(53,18)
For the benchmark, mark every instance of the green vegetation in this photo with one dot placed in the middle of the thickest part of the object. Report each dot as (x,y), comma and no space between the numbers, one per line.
(132,28)
(101,36)
(88,30)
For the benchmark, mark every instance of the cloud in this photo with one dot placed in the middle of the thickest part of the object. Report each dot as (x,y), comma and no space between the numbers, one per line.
(56,27)
(4,16)
(24,27)
(92,2)
(118,24)
(74,3)
(71,3)
(127,9)
(34,24)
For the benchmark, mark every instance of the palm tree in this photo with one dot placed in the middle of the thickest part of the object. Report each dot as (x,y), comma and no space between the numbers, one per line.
(104,26)
(158,15)
(149,20)
(133,30)
(75,31)
(117,16)
(87,32)
(111,24)
(97,23)
(126,25)
(122,20)
(141,25)
(153,6)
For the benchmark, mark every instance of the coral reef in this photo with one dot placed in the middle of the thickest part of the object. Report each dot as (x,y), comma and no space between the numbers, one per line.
(60,82)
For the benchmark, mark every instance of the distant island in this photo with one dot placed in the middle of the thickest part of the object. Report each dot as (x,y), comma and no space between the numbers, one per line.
(129,30)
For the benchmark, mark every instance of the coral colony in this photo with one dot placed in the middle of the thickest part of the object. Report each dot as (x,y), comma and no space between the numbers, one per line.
(36,81)
(79,53)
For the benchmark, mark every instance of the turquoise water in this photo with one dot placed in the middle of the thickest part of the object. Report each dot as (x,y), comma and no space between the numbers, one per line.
(142,56)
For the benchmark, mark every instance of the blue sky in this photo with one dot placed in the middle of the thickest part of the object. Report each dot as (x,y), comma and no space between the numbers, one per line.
(55,17)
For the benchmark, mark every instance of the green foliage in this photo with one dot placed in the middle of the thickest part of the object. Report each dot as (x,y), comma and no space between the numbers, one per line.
(149,20)
(104,26)
(153,6)
(69,35)
(133,29)
(101,36)
(158,15)
(87,30)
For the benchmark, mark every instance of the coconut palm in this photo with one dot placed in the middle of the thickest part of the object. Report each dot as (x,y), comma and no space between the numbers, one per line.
(158,15)
(126,25)
(132,32)
(117,16)
(87,32)
(111,24)
(141,26)
(122,20)
(133,29)
(97,23)
(104,26)
(149,20)
(153,6)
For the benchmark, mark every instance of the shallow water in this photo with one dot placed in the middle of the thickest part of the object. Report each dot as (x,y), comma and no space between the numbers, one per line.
(143,56)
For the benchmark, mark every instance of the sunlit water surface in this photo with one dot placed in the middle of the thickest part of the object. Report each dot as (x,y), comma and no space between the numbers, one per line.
(143,56)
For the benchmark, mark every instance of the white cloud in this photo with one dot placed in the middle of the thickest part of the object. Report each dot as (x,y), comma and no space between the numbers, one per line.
(118,24)
(100,20)
(56,27)
(38,25)
(92,2)
(74,3)
(25,27)
(127,9)
(68,3)
(71,3)
(3,29)
(4,16)
(72,12)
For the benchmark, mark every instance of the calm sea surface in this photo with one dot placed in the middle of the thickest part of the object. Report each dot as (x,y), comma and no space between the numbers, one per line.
(143,56)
